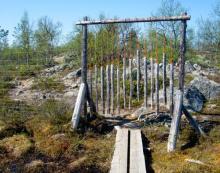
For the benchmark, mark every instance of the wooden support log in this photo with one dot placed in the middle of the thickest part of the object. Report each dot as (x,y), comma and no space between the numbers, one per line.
(131,84)
(145,82)
(102,90)
(119,162)
(193,123)
(78,105)
(124,81)
(96,88)
(90,83)
(171,88)
(152,82)
(174,129)
(164,80)
(137,160)
(157,89)
(138,75)
(136,20)
(112,88)
(118,89)
(107,90)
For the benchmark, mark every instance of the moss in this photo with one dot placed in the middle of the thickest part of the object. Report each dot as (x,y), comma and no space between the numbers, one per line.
(16,145)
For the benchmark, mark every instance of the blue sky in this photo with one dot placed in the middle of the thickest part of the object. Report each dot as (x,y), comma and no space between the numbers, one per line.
(70,11)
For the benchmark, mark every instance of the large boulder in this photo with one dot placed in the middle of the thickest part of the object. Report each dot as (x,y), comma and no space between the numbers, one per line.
(210,89)
(193,99)
(74,74)
(189,68)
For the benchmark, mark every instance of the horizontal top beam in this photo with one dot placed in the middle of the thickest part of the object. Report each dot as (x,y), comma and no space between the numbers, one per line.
(135,20)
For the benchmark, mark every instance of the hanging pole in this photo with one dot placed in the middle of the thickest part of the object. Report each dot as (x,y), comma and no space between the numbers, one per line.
(107,89)
(138,74)
(96,88)
(164,72)
(145,76)
(131,85)
(157,78)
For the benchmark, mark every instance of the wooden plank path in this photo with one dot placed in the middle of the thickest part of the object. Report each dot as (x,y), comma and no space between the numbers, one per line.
(128,154)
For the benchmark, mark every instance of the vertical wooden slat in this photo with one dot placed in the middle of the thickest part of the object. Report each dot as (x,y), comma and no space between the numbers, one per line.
(171,87)
(157,89)
(112,88)
(124,81)
(131,84)
(164,80)
(118,89)
(107,90)
(152,82)
(102,89)
(96,89)
(145,82)
(138,75)
(90,83)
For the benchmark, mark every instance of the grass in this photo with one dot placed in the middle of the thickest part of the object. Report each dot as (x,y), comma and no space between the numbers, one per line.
(205,150)
(48,84)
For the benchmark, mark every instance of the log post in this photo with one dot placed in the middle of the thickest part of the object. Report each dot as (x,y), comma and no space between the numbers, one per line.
(164,79)
(78,105)
(174,129)
(96,88)
(84,61)
(152,82)
(102,90)
(107,90)
(171,88)
(193,123)
(112,87)
(124,81)
(131,84)
(157,89)
(145,82)
(90,83)
(179,102)
(118,90)
(138,75)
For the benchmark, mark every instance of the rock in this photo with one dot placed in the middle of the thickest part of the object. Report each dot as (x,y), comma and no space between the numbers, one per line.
(17,145)
(193,99)
(74,74)
(19,92)
(69,94)
(139,112)
(209,88)
(34,166)
(189,67)
(197,67)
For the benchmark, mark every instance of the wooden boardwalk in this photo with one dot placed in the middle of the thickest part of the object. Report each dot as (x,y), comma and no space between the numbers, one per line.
(128,154)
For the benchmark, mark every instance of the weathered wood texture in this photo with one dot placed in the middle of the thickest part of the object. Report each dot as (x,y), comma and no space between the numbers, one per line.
(91,82)
(164,79)
(131,83)
(137,160)
(157,89)
(171,88)
(145,83)
(78,105)
(152,82)
(102,89)
(112,88)
(96,89)
(138,75)
(108,89)
(193,122)
(136,20)
(174,129)
(118,89)
(120,156)
(124,81)
(84,60)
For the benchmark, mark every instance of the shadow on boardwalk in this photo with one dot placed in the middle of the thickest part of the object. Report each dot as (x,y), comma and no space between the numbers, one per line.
(147,154)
